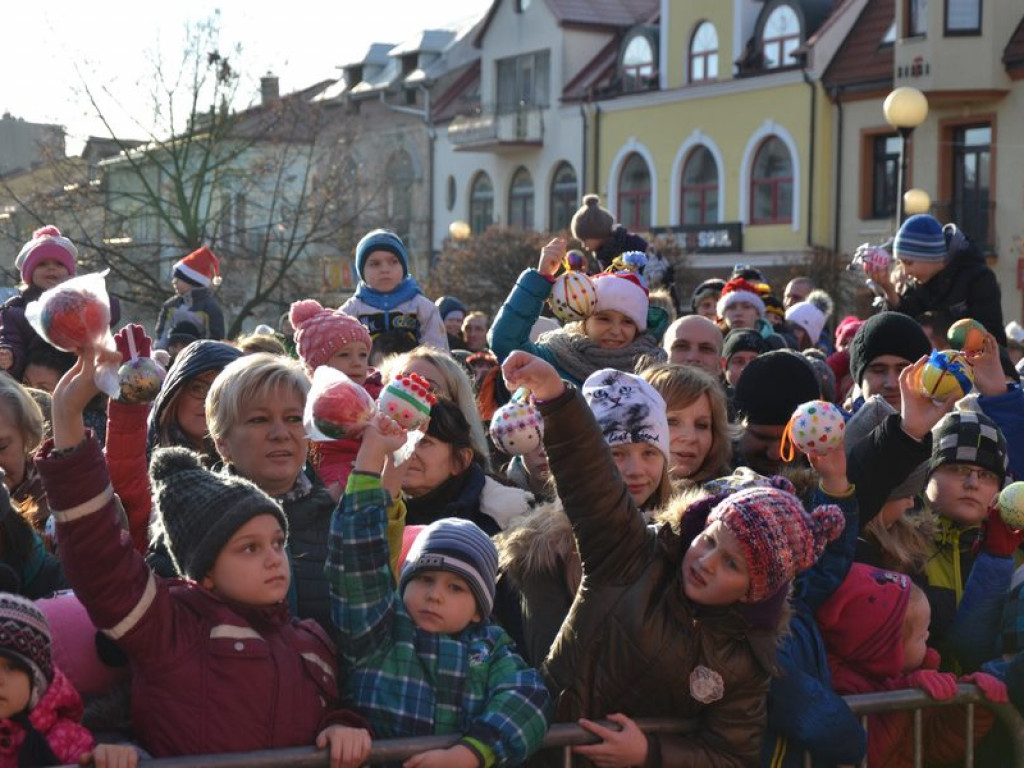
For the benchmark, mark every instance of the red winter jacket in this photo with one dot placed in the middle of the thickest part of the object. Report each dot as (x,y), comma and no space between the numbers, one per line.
(207,676)
(125,450)
(56,717)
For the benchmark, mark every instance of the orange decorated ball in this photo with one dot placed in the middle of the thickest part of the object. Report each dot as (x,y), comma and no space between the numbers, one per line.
(967,336)
(72,320)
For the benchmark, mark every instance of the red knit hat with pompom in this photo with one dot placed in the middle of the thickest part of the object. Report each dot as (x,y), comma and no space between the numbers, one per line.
(320,333)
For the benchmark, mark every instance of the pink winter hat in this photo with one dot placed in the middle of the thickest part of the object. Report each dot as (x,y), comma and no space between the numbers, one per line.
(320,333)
(625,293)
(46,243)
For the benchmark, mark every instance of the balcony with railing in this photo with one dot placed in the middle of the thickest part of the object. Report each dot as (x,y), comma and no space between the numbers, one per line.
(490,129)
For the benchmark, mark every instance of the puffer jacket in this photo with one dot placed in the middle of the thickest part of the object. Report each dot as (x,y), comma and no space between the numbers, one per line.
(633,642)
(56,717)
(196,306)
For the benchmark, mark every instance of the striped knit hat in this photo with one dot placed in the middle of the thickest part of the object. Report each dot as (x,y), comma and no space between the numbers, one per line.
(25,638)
(460,547)
(969,437)
(779,538)
(920,238)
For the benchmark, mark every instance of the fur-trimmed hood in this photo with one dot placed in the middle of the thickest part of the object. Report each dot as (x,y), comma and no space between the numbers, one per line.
(538,543)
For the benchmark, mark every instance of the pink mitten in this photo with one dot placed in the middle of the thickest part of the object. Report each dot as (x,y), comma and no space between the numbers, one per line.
(143,344)
(941,686)
(993,688)
(932,659)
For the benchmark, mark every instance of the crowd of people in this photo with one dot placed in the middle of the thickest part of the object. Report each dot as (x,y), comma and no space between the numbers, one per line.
(197,575)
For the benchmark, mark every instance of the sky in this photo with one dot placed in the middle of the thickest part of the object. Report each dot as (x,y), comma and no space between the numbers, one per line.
(50,46)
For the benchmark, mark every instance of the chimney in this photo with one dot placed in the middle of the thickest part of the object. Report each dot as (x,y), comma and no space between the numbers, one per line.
(269,89)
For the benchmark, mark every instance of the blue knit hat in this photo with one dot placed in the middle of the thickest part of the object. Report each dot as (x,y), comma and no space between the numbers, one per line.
(381,240)
(920,239)
(460,547)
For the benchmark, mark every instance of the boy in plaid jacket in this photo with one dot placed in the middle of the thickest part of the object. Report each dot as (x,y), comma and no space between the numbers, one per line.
(426,658)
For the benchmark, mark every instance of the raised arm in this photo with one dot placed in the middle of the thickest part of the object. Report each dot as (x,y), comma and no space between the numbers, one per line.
(519,312)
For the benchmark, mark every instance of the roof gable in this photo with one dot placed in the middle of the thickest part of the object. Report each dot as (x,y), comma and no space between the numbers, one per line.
(862,60)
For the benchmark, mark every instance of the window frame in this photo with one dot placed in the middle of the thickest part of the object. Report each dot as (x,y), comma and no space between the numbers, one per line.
(948,31)
(700,189)
(481,207)
(521,205)
(632,203)
(561,199)
(705,56)
(913,11)
(774,183)
(880,161)
(523,81)
(959,150)
(780,41)
(634,77)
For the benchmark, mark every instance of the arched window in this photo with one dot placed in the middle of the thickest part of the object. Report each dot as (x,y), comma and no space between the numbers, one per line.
(635,193)
(400,176)
(637,64)
(520,200)
(704,53)
(348,194)
(771,184)
(700,188)
(564,194)
(481,203)
(780,37)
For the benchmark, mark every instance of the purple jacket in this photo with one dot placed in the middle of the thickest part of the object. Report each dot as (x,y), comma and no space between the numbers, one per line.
(207,676)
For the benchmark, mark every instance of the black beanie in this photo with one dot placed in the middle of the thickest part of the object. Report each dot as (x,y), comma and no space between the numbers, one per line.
(773,385)
(743,340)
(887,333)
(200,510)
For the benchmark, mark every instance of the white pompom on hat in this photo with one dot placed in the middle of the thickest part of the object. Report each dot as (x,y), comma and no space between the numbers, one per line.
(46,243)
(623,292)
(737,290)
(200,268)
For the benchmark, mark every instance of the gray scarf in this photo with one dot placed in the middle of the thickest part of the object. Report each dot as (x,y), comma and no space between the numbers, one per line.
(578,357)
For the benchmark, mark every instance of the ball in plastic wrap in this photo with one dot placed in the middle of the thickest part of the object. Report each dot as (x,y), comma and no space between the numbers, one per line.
(407,399)
(967,336)
(817,427)
(342,409)
(947,372)
(517,428)
(72,320)
(139,380)
(573,297)
(1011,505)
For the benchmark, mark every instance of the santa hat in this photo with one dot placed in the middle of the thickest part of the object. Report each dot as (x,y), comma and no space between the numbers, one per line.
(320,333)
(622,288)
(200,268)
(736,290)
(46,243)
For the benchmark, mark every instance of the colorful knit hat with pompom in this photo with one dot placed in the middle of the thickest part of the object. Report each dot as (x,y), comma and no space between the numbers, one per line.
(46,243)
(320,333)
(779,538)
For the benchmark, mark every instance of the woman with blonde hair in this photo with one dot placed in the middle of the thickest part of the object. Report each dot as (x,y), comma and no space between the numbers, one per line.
(700,446)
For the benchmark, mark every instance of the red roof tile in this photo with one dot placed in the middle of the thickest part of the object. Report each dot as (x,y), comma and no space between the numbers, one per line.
(862,60)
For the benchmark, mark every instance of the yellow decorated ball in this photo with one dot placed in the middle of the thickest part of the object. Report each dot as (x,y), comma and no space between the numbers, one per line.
(573,297)
(946,373)
(1011,505)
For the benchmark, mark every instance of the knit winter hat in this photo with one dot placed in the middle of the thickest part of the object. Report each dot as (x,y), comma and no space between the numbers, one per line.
(200,510)
(869,416)
(748,273)
(969,437)
(779,538)
(773,385)
(1015,333)
(46,243)
(772,306)
(320,333)
(712,287)
(25,638)
(887,333)
(623,292)
(381,240)
(592,221)
(743,340)
(448,304)
(200,268)
(627,408)
(847,329)
(920,238)
(460,547)
(862,622)
(807,316)
(736,290)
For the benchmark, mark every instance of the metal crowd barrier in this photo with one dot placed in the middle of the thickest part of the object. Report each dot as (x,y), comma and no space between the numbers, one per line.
(564,736)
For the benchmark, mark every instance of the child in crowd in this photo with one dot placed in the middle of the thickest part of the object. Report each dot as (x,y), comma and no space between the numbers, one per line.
(681,623)
(332,338)
(48,259)
(621,331)
(426,658)
(740,305)
(875,628)
(595,227)
(388,301)
(192,302)
(218,663)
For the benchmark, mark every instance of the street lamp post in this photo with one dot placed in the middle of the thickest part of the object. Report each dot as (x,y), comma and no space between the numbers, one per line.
(905,109)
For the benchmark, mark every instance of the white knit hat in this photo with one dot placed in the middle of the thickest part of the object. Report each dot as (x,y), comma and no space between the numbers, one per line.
(807,316)
(628,409)
(622,292)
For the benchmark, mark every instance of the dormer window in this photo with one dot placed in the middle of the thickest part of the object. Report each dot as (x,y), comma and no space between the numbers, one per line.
(780,37)
(638,62)
(704,53)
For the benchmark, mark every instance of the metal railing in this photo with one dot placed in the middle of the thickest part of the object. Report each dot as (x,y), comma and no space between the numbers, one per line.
(564,736)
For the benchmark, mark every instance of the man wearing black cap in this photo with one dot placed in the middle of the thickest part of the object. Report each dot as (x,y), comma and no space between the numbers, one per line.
(771,388)
(886,344)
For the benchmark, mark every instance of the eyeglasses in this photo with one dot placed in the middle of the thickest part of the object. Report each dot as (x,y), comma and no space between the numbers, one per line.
(197,389)
(964,471)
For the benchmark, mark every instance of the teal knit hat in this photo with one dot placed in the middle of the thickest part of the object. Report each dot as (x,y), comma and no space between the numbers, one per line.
(920,239)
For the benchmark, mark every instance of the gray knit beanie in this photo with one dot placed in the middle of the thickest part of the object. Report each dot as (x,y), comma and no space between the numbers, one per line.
(200,510)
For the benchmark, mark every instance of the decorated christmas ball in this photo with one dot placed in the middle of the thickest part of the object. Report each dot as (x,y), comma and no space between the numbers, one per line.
(139,380)
(517,427)
(573,297)
(407,399)
(817,427)
(967,336)
(1011,505)
(341,409)
(946,373)
(72,319)
(576,260)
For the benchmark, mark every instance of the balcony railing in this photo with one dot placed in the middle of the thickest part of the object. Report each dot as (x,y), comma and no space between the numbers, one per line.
(490,128)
